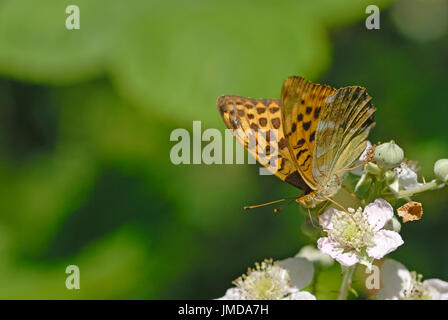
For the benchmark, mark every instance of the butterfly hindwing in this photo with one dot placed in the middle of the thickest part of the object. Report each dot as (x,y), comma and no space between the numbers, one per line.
(342,131)
(247,117)
(303,103)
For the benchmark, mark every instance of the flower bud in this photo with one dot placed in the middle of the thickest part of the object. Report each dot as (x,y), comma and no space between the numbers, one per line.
(441,169)
(392,181)
(372,168)
(389,155)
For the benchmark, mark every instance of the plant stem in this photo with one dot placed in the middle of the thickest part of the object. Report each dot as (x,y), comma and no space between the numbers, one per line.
(346,282)
(315,279)
(426,187)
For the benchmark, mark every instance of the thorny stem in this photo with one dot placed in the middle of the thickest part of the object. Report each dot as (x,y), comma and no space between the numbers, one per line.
(346,282)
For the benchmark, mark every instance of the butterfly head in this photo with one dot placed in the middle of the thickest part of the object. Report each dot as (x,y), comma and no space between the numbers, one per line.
(313,198)
(308,200)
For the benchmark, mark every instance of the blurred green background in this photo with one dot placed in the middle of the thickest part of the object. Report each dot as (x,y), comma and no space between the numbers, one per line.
(86,115)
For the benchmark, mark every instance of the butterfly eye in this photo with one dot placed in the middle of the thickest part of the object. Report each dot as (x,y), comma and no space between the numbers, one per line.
(308,200)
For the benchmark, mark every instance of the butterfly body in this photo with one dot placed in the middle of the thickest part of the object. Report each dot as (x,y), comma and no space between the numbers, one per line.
(315,197)
(316,133)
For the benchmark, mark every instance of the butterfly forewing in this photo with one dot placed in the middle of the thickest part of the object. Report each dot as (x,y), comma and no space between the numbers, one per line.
(303,103)
(253,120)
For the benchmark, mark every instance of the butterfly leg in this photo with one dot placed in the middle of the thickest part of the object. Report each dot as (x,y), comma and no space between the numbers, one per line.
(321,221)
(341,207)
(350,169)
(323,173)
(321,208)
(346,189)
(350,192)
(319,211)
(311,218)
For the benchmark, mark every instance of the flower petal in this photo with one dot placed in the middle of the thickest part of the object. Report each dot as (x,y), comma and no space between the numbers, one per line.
(232,294)
(329,247)
(301,271)
(300,295)
(407,178)
(394,278)
(410,211)
(332,248)
(385,241)
(348,259)
(314,255)
(378,213)
(325,219)
(441,287)
(359,171)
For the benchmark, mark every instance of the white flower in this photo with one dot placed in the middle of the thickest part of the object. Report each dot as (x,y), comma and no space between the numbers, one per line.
(274,281)
(359,236)
(407,176)
(314,255)
(400,284)
(359,171)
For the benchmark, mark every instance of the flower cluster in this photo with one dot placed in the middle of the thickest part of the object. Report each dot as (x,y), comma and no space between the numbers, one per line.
(388,175)
(271,280)
(359,236)
(400,284)
(352,237)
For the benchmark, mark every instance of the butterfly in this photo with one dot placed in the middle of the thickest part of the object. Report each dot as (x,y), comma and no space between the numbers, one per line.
(320,133)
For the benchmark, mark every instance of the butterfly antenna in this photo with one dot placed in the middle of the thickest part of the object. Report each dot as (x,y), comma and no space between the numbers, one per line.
(266,204)
(284,206)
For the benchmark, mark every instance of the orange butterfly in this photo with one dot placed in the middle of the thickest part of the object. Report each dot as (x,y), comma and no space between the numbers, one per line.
(320,133)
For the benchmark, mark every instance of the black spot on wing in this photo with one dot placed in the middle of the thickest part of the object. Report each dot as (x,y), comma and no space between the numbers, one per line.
(263,121)
(300,153)
(306,125)
(297,181)
(282,143)
(276,123)
(294,127)
(304,161)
